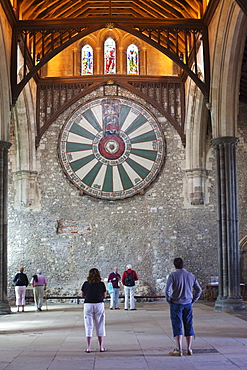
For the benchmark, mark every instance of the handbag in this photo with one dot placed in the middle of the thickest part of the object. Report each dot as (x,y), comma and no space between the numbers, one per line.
(110,288)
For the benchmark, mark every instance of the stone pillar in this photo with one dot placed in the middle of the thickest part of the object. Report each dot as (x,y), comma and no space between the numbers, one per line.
(196,184)
(144,61)
(121,64)
(27,193)
(229,298)
(4,304)
(97,63)
(75,58)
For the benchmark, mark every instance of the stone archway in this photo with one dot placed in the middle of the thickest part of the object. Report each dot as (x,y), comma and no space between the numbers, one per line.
(25,170)
(229,45)
(4,147)
(198,135)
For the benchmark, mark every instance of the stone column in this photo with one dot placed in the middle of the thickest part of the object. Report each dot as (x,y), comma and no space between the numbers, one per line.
(229,298)
(4,304)
(27,194)
(144,61)
(196,184)
(75,58)
(97,63)
(121,64)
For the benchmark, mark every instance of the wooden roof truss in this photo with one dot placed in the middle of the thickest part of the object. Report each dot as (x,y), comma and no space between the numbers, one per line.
(42,40)
(43,28)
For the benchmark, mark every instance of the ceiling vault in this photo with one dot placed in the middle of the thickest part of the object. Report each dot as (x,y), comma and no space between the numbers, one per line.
(41,41)
(44,28)
(177,28)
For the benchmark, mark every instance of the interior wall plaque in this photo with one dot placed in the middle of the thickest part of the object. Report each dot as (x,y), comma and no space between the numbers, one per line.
(111,148)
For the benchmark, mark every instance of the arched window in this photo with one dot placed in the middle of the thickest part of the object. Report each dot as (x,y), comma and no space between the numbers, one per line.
(132,60)
(87,60)
(109,56)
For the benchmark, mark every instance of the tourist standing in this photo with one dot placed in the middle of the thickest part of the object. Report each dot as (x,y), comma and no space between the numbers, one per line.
(182,290)
(21,283)
(94,292)
(115,279)
(129,278)
(39,284)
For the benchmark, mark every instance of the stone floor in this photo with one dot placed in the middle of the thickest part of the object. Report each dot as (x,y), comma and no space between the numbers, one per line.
(54,339)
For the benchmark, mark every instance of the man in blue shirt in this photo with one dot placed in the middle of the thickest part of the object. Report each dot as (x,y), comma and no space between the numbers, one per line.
(182,290)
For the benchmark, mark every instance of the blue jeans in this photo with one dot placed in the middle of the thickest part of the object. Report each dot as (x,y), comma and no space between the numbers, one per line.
(114,298)
(182,315)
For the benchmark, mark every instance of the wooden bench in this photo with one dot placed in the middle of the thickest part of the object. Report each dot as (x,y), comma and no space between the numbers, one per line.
(78,298)
(212,291)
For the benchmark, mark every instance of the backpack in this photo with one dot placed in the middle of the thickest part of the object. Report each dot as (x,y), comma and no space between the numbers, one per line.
(129,280)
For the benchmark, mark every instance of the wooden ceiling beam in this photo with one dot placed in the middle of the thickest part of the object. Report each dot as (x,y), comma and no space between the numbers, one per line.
(39,24)
(180,9)
(65,11)
(46,9)
(142,8)
(45,38)
(126,13)
(83,85)
(30,9)
(160,11)
(135,11)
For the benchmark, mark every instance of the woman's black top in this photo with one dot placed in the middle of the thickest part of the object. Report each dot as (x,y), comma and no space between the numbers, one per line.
(93,293)
(20,279)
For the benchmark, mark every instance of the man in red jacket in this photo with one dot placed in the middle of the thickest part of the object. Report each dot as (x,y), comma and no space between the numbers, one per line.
(128,279)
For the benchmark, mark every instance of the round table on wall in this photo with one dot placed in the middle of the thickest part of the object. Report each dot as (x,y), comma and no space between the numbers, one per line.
(111,148)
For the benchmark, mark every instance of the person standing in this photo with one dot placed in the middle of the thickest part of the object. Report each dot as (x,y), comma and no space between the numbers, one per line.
(129,278)
(21,283)
(114,278)
(94,291)
(39,284)
(182,290)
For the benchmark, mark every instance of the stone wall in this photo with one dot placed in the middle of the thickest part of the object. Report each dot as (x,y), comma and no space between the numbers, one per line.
(72,233)
(242,188)
(242,169)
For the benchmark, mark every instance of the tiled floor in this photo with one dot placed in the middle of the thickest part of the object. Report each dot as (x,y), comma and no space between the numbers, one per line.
(54,339)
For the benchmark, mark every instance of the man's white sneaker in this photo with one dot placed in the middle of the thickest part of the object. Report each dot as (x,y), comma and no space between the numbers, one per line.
(189,352)
(176,352)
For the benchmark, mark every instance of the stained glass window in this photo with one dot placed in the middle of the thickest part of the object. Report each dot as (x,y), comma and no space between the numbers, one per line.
(132,60)
(109,56)
(87,60)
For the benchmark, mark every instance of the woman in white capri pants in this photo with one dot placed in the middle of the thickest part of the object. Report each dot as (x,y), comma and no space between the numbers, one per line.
(94,292)
(21,282)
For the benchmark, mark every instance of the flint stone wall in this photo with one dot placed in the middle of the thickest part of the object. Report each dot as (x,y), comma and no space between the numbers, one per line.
(72,233)
(242,170)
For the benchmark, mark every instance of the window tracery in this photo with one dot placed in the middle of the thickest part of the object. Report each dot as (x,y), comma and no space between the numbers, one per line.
(129,65)
(132,60)
(109,56)
(87,60)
